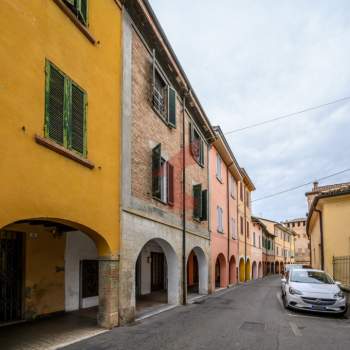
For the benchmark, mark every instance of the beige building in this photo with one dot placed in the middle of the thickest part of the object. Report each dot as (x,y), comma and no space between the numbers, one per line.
(329,211)
(302,241)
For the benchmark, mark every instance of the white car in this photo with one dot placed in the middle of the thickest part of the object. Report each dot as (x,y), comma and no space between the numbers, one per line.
(312,290)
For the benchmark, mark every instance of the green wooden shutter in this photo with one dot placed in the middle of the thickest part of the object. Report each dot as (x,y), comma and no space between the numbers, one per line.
(77,120)
(156,172)
(197,201)
(55,93)
(171,107)
(204,216)
(81,6)
(201,153)
(170,183)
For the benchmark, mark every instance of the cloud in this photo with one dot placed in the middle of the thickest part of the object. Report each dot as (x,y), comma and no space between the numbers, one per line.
(254,60)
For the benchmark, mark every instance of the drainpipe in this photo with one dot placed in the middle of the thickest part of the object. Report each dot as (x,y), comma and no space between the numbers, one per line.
(321,233)
(238,235)
(184,262)
(228,222)
(245,235)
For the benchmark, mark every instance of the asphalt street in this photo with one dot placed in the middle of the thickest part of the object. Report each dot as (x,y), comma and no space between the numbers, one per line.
(249,316)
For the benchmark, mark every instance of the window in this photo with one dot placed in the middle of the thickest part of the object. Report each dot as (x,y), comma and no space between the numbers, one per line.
(79,8)
(241,191)
(241,220)
(162,177)
(254,239)
(219,215)
(247,198)
(196,145)
(233,228)
(218,167)
(277,250)
(163,97)
(232,186)
(259,241)
(247,229)
(200,203)
(65,111)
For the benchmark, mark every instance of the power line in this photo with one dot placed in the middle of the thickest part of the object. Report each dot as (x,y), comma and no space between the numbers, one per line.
(300,186)
(287,115)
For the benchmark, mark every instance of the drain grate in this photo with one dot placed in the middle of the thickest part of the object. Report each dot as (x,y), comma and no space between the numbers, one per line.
(252,326)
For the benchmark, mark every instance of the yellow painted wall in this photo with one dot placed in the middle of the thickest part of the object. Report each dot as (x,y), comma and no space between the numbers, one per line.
(37,182)
(44,277)
(336,214)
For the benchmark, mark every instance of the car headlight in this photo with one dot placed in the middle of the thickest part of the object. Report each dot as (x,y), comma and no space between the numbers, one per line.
(294,291)
(339,295)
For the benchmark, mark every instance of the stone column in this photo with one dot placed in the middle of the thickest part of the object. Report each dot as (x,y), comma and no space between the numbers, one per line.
(108,292)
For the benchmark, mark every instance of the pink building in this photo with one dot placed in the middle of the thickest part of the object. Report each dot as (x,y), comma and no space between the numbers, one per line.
(224,176)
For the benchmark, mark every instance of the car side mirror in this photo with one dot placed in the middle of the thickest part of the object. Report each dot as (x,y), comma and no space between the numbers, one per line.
(283,280)
(337,283)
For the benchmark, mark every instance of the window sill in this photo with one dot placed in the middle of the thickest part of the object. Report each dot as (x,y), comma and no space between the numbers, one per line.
(75,20)
(221,232)
(219,179)
(53,146)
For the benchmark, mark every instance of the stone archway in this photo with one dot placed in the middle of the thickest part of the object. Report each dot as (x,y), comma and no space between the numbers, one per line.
(260,270)
(233,271)
(220,272)
(156,275)
(197,271)
(247,270)
(63,269)
(241,270)
(254,271)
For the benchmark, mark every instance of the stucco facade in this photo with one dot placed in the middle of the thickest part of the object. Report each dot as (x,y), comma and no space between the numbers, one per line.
(50,189)
(329,208)
(224,176)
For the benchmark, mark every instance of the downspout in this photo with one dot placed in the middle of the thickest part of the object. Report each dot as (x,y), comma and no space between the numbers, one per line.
(228,223)
(321,234)
(238,235)
(184,262)
(245,235)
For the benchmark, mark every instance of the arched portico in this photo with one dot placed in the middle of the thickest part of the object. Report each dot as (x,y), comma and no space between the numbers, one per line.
(233,270)
(220,272)
(197,272)
(247,270)
(241,270)
(64,270)
(156,275)
(254,271)
(260,270)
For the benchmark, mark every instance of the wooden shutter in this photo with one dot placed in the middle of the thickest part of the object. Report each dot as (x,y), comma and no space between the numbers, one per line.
(81,6)
(77,120)
(171,107)
(197,201)
(170,180)
(204,205)
(55,105)
(201,152)
(191,129)
(156,171)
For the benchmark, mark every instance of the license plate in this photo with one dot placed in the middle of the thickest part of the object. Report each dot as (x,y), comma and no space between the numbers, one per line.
(318,307)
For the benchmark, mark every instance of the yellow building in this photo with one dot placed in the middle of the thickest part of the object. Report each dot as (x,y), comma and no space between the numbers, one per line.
(245,226)
(60,154)
(329,211)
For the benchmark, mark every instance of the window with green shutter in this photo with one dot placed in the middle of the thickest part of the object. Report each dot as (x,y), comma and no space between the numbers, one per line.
(200,203)
(65,114)
(79,8)
(163,96)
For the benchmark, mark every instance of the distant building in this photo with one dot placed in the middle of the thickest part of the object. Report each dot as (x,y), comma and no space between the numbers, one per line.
(329,212)
(302,241)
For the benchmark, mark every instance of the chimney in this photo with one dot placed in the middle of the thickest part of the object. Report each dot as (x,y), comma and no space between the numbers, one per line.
(315,185)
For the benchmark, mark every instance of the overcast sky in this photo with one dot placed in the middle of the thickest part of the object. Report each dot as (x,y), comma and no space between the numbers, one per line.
(249,61)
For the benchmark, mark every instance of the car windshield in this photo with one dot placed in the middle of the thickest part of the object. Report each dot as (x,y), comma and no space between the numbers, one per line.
(317,277)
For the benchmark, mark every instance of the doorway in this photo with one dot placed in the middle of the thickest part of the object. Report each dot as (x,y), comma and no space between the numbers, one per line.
(11,276)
